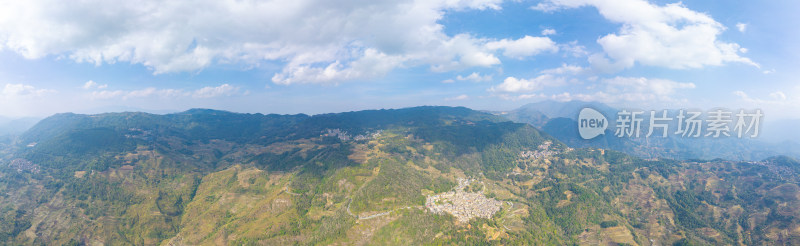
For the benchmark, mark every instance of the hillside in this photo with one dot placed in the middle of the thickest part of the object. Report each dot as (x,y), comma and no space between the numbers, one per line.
(413,176)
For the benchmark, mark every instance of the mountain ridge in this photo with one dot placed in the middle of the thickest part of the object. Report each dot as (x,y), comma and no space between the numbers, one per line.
(560,121)
(370,177)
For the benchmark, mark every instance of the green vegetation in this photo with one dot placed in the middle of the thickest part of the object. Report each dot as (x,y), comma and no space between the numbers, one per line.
(608,223)
(206,177)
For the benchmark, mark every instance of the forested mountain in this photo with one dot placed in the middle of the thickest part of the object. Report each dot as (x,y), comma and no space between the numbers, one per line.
(423,175)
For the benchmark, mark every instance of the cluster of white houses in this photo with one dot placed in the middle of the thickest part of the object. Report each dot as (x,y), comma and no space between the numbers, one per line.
(463,205)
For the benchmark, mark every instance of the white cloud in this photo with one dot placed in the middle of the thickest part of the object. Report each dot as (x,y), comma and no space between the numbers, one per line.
(106,94)
(741,94)
(91,84)
(743,50)
(318,41)
(613,90)
(741,26)
(546,7)
(523,47)
(671,36)
(548,31)
(475,77)
(564,69)
(471,52)
(457,98)
(448,81)
(222,90)
(778,95)
(142,93)
(23,100)
(547,78)
(628,89)
(652,88)
(776,98)
(205,92)
(514,85)
(23,90)
(574,49)
(744,97)
(371,64)
(562,97)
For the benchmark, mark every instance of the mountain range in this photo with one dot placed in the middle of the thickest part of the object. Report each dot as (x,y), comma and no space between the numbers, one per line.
(560,120)
(412,176)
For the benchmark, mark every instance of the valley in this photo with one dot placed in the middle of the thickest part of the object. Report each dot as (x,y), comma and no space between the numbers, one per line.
(418,176)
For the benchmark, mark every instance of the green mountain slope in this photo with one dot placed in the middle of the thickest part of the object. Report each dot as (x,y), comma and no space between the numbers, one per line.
(424,175)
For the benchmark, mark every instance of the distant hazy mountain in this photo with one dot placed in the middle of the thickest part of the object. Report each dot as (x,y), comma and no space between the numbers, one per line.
(559,119)
(9,126)
(780,131)
(537,114)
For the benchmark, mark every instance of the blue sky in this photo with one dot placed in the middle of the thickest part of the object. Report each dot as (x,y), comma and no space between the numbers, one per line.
(315,56)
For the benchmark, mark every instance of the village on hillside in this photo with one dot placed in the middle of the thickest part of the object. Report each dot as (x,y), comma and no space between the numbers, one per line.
(462,204)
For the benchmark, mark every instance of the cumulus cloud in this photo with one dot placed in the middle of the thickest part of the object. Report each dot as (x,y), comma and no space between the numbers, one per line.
(548,31)
(142,93)
(371,64)
(565,69)
(547,78)
(23,90)
(107,94)
(744,97)
(222,90)
(741,26)
(634,89)
(523,47)
(317,41)
(94,85)
(671,36)
(457,98)
(475,77)
(644,88)
(205,92)
(574,49)
(514,85)
(776,98)
(617,89)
